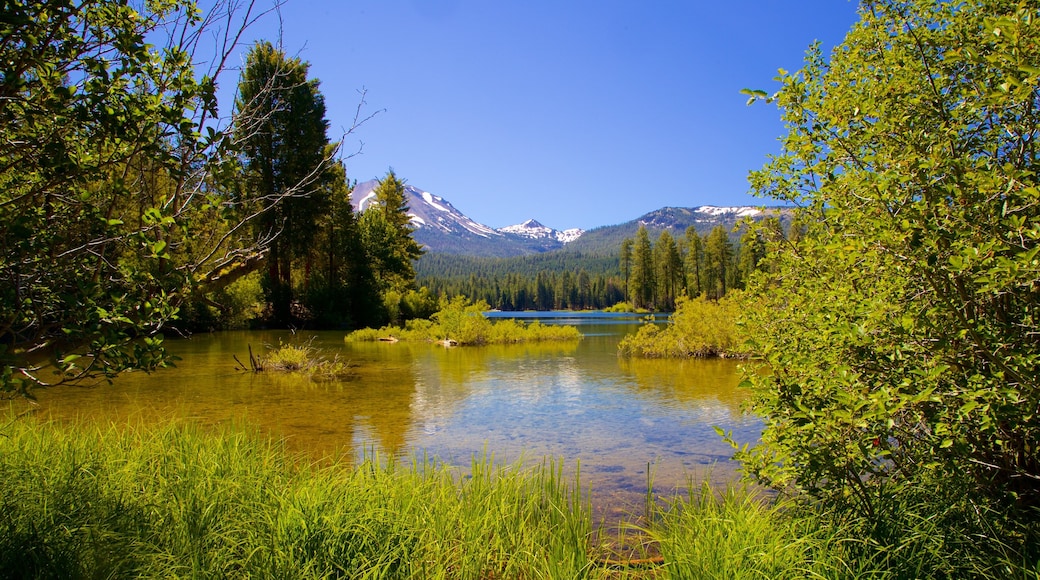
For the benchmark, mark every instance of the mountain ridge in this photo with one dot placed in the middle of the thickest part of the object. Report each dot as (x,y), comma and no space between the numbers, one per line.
(443,229)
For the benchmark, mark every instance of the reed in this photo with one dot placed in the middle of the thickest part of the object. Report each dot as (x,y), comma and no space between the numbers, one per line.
(179,500)
(736,533)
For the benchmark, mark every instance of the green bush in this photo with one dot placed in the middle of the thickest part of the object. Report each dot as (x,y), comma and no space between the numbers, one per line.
(902,375)
(625,307)
(698,328)
(462,322)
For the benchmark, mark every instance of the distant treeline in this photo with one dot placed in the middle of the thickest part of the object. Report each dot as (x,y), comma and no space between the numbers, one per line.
(550,281)
(650,275)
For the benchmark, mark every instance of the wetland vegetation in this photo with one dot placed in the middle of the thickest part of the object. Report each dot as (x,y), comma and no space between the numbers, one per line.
(460,323)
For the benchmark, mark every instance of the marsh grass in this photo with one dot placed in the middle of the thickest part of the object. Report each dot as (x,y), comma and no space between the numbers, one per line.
(301,358)
(939,529)
(737,533)
(178,500)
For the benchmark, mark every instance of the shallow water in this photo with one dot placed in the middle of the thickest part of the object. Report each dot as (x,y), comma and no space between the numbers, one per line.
(576,401)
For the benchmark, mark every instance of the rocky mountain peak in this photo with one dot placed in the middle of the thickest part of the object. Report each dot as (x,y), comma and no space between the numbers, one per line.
(442,228)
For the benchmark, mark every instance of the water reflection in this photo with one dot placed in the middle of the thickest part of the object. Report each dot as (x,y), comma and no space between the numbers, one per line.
(576,400)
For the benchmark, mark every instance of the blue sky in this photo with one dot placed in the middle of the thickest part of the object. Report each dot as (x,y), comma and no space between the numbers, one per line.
(574,113)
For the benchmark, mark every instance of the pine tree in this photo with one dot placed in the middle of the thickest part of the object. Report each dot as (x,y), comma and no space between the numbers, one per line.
(283,137)
(669,269)
(626,263)
(642,284)
(387,230)
(342,292)
(718,258)
(693,263)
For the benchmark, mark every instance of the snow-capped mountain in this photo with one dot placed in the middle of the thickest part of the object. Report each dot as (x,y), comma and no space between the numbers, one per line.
(534,230)
(442,228)
(427,211)
(682,217)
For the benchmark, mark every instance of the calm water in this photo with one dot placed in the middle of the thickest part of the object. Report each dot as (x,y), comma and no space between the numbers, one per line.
(576,401)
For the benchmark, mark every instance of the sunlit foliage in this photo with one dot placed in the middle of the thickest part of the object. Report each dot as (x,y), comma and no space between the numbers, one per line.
(899,331)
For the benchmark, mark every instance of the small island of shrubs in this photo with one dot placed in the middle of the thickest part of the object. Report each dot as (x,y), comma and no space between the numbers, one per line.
(699,328)
(302,359)
(460,323)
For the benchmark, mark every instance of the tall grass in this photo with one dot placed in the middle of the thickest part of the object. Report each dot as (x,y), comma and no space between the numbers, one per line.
(176,500)
(730,533)
(735,533)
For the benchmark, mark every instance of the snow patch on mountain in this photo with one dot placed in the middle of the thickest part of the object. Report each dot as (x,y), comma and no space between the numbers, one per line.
(478,228)
(743,211)
(569,235)
(438,224)
(536,231)
(432,200)
(528,229)
(365,201)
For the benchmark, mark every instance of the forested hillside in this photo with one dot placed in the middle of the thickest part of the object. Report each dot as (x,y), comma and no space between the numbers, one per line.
(550,281)
(650,274)
(597,253)
(677,220)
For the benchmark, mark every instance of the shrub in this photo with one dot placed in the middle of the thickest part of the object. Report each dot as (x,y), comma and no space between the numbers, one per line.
(625,307)
(465,324)
(698,328)
(900,331)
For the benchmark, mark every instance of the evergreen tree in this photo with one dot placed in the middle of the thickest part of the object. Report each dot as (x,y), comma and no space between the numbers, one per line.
(643,283)
(284,142)
(693,263)
(387,231)
(718,257)
(626,263)
(585,295)
(754,246)
(342,291)
(669,270)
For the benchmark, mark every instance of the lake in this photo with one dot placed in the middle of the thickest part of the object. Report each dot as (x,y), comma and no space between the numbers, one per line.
(576,401)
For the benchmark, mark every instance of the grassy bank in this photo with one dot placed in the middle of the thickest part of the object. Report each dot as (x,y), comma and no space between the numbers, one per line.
(177,501)
(180,501)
